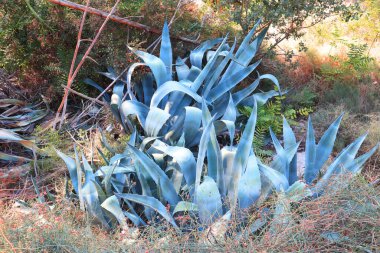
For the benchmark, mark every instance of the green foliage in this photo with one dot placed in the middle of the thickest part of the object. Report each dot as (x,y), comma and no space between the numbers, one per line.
(270,115)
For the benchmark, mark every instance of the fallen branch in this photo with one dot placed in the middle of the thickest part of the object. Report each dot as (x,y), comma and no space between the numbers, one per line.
(117,19)
(77,68)
(84,96)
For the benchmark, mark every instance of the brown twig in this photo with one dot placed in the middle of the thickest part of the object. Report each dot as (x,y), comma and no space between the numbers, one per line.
(72,77)
(5,237)
(117,19)
(84,96)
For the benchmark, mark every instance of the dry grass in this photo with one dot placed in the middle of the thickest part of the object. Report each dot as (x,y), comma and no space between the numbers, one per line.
(342,220)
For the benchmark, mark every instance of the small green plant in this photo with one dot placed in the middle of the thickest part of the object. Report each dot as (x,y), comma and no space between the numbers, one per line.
(270,115)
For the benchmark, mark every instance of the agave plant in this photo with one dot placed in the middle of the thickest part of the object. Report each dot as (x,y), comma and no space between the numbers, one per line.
(157,174)
(162,171)
(167,101)
(17,116)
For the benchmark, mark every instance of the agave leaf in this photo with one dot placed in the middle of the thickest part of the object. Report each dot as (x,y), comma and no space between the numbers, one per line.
(90,82)
(184,158)
(228,155)
(115,170)
(261,98)
(196,56)
(91,198)
(311,171)
(159,176)
(14,158)
(241,157)
(79,176)
(240,95)
(214,157)
(148,89)
(185,206)
(9,136)
(206,70)
(145,190)
(101,194)
(326,144)
(5,102)
(89,174)
(40,197)
(244,57)
(230,113)
(72,167)
(136,220)
(218,71)
(112,205)
(278,180)
(230,82)
(202,153)
(209,201)
(245,43)
(166,54)
(182,69)
(222,125)
(133,107)
(274,80)
(156,65)
(172,86)
(346,156)
(192,123)
(249,188)
(150,202)
(107,181)
(355,165)
(298,191)
(155,121)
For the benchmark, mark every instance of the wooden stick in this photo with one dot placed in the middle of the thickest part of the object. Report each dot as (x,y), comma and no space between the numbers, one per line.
(117,19)
(84,96)
(72,77)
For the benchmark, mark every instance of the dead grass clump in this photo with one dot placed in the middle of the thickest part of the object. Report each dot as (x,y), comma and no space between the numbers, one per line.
(343,219)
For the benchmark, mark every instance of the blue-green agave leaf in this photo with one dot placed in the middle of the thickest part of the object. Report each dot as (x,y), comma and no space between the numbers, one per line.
(326,144)
(184,158)
(172,86)
(311,171)
(155,121)
(72,167)
(115,170)
(206,70)
(151,203)
(148,89)
(112,205)
(230,82)
(241,158)
(278,180)
(166,54)
(185,206)
(209,201)
(214,157)
(156,65)
(196,56)
(346,156)
(158,175)
(133,107)
(298,191)
(91,198)
(249,188)
(182,69)
(356,165)
(90,82)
